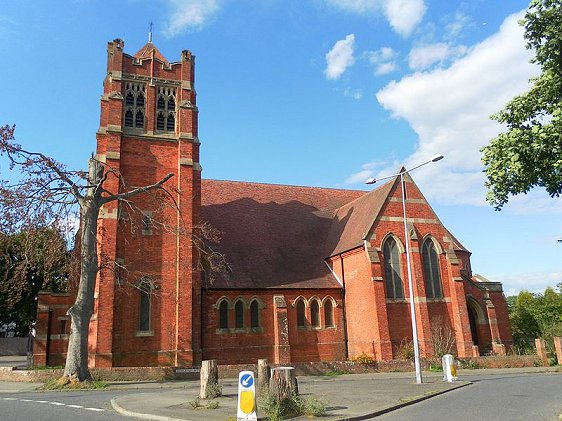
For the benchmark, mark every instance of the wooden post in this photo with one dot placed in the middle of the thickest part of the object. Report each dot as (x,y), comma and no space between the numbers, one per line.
(209,380)
(541,351)
(558,348)
(264,373)
(283,383)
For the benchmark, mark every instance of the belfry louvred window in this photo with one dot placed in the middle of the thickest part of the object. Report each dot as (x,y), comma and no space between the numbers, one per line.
(134,110)
(166,109)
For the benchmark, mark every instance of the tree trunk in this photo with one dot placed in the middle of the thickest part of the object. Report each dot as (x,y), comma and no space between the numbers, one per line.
(76,368)
(264,373)
(283,383)
(209,378)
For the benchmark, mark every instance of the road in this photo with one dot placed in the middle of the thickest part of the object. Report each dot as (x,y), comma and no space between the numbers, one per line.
(60,406)
(513,397)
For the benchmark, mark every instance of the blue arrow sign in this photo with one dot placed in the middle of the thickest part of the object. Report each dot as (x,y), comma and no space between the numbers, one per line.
(247,380)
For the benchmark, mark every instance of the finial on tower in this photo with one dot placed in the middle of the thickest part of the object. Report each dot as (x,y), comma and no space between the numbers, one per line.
(149,31)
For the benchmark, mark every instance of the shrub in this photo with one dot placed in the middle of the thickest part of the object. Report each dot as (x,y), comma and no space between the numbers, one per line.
(405,351)
(364,359)
(294,406)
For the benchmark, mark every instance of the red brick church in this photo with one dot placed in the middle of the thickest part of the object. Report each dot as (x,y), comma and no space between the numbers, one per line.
(313,274)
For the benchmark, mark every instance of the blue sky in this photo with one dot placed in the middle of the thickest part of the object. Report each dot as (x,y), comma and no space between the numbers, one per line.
(307,92)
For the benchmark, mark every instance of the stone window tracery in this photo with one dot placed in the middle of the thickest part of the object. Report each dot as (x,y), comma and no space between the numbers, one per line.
(393,279)
(166,109)
(431,271)
(134,111)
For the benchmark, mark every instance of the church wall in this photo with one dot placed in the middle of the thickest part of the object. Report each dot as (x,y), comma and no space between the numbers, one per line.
(246,345)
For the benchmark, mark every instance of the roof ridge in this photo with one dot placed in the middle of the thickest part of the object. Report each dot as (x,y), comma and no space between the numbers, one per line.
(285,185)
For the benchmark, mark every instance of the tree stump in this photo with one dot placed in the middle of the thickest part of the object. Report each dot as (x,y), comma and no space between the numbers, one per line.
(283,383)
(209,378)
(264,373)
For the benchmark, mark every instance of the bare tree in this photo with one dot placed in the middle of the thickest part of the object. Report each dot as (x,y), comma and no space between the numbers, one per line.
(46,193)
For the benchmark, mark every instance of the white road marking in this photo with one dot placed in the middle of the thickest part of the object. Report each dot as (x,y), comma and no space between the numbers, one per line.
(55,403)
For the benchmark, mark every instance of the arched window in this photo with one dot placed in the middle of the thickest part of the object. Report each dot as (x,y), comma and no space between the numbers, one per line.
(139,119)
(431,271)
(315,313)
(393,279)
(145,293)
(223,315)
(134,109)
(328,313)
(254,314)
(239,314)
(301,320)
(166,109)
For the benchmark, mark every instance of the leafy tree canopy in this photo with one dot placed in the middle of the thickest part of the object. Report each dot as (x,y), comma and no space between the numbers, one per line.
(29,262)
(529,153)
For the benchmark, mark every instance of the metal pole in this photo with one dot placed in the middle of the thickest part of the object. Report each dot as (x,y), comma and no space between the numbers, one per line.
(411,287)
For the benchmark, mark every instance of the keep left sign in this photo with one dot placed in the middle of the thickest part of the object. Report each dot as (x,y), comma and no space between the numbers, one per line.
(246,396)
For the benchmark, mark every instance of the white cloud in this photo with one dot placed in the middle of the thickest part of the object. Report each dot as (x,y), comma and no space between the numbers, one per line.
(383,59)
(449,110)
(535,282)
(367,171)
(189,15)
(454,28)
(404,15)
(340,57)
(421,58)
(356,6)
(353,93)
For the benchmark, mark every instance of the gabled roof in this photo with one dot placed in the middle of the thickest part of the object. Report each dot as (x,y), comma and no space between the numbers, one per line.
(353,220)
(146,52)
(272,235)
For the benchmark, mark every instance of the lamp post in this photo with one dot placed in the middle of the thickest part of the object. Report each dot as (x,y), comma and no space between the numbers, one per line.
(434,158)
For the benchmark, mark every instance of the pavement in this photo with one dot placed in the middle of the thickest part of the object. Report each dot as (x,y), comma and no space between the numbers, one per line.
(347,397)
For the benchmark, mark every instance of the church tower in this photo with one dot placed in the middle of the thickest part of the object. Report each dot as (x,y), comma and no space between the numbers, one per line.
(148,293)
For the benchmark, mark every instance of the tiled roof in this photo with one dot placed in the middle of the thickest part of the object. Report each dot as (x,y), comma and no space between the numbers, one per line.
(146,52)
(273,235)
(353,220)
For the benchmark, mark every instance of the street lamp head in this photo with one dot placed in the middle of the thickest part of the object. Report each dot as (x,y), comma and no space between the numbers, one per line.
(374,180)
(559,240)
(437,157)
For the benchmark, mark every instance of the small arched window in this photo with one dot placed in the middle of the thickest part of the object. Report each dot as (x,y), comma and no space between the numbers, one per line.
(171,122)
(328,313)
(393,279)
(254,314)
(139,119)
(431,271)
(223,315)
(145,293)
(239,314)
(161,103)
(301,320)
(315,313)
(134,109)
(166,109)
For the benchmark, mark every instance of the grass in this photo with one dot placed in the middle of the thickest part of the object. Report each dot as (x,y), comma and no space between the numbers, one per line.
(57,384)
(291,407)
(331,373)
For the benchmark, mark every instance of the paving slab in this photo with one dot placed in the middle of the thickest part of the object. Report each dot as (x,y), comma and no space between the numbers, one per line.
(348,397)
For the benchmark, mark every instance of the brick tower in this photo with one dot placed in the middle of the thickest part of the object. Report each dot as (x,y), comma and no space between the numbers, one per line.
(148,294)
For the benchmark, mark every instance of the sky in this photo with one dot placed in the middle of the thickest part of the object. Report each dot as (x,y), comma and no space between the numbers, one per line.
(322,93)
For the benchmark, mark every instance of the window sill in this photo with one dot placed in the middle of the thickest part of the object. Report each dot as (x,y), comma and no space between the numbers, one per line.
(143,333)
(239,330)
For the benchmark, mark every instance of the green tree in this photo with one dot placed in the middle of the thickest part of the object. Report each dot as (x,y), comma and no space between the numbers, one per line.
(529,153)
(29,262)
(536,315)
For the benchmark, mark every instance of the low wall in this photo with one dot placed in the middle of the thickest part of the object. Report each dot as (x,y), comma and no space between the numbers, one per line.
(13,346)
(231,371)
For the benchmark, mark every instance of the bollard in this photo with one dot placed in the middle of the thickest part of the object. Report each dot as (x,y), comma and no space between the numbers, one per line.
(449,368)
(246,396)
